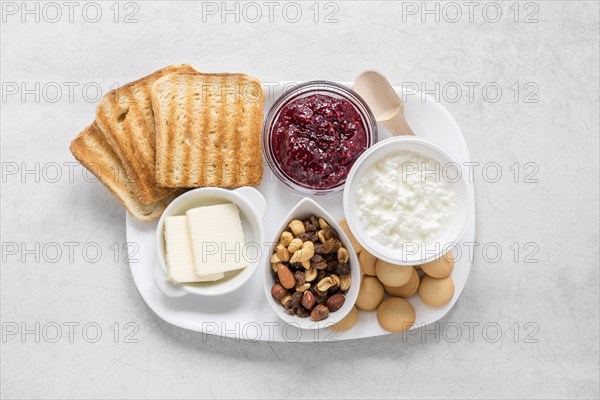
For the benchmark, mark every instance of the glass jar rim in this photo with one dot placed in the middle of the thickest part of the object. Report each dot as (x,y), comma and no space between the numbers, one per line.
(303,90)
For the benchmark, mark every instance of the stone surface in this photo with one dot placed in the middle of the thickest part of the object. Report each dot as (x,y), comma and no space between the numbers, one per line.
(546,115)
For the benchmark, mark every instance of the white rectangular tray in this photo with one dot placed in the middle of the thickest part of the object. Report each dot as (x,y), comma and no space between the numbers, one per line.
(245,313)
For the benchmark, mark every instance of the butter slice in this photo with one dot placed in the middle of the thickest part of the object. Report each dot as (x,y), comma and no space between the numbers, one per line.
(217,238)
(180,259)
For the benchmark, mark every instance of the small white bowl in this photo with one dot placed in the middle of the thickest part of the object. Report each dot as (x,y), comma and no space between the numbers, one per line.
(252,206)
(304,209)
(413,255)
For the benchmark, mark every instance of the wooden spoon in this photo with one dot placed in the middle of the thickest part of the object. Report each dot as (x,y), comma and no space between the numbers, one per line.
(381,97)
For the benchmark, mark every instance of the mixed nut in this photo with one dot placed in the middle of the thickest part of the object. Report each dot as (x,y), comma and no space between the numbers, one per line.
(312,270)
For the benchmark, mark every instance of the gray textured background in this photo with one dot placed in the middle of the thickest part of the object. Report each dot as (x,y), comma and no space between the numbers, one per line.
(547,311)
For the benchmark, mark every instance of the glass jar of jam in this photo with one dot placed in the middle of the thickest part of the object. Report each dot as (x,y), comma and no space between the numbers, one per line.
(314,133)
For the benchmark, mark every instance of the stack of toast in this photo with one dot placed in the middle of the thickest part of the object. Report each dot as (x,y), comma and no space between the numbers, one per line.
(174,129)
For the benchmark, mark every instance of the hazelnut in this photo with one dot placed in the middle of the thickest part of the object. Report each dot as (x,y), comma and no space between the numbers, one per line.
(308,300)
(319,313)
(335,302)
(278,291)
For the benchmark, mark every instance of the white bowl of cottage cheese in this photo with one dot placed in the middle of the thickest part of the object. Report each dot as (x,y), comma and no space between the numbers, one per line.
(406,200)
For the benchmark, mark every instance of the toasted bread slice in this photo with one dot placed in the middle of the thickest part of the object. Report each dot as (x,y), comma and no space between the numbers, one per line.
(125,117)
(208,130)
(91,149)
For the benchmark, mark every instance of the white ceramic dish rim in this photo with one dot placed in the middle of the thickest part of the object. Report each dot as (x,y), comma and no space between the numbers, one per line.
(456,229)
(427,118)
(355,274)
(248,196)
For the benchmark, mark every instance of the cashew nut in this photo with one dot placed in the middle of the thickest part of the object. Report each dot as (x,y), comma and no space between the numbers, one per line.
(305,253)
(285,238)
(294,246)
(297,227)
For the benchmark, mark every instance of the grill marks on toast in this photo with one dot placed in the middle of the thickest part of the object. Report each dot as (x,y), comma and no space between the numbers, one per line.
(92,150)
(126,118)
(221,139)
(189,131)
(219,143)
(207,120)
(234,132)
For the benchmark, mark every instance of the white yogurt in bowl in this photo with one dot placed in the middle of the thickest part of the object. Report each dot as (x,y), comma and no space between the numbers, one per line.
(406,200)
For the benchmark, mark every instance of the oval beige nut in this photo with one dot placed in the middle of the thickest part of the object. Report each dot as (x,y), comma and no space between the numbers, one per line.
(297,227)
(393,275)
(436,292)
(396,315)
(347,322)
(406,290)
(304,254)
(440,268)
(310,274)
(282,253)
(367,262)
(370,293)
(323,224)
(285,238)
(345,282)
(294,245)
(355,245)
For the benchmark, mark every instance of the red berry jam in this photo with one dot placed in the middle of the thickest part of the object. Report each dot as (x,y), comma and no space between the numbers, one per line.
(317,139)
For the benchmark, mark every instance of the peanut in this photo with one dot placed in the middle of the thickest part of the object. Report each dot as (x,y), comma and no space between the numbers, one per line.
(282,253)
(343,255)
